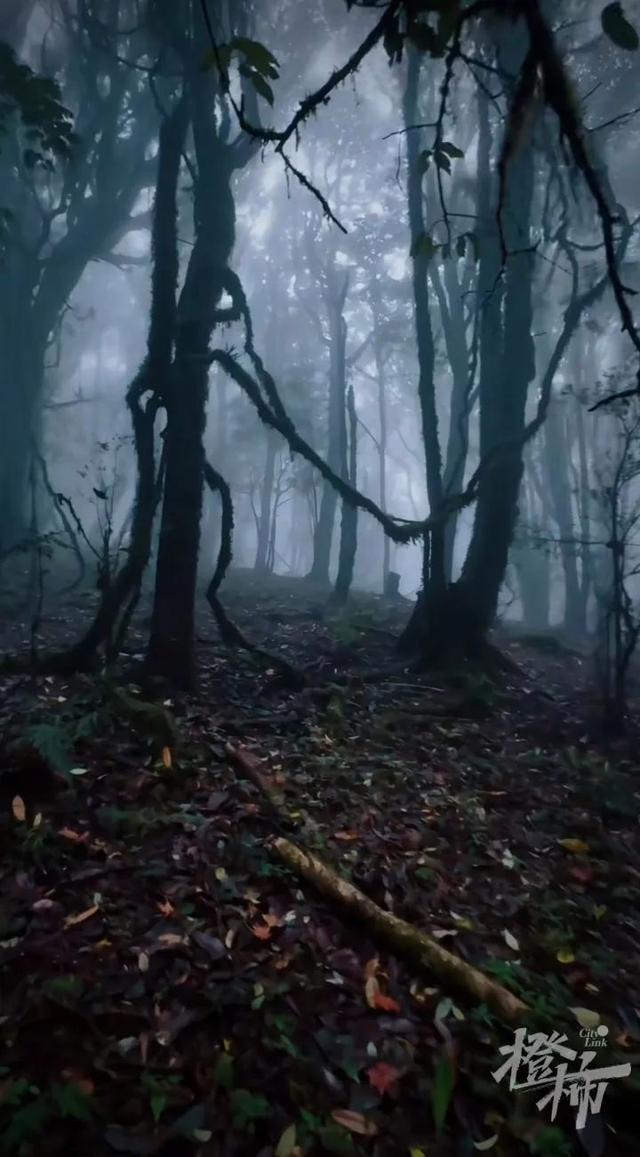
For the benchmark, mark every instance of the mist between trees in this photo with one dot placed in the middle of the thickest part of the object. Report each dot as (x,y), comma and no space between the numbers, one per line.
(336,293)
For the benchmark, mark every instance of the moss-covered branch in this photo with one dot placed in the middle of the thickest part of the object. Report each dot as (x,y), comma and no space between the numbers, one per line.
(402,937)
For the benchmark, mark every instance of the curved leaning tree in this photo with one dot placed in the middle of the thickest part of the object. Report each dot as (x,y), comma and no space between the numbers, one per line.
(213,131)
(514,41)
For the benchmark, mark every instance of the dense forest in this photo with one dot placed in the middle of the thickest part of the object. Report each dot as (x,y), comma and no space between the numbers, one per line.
(319,577)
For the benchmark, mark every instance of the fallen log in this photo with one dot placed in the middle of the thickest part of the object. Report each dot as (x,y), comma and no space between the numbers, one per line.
(403,938)
(251,768)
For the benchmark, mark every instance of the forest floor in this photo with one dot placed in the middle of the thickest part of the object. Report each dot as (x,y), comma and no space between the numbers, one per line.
(168,986)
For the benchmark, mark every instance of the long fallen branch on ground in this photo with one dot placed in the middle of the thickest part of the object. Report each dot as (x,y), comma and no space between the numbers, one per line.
(403,938)
(250,767)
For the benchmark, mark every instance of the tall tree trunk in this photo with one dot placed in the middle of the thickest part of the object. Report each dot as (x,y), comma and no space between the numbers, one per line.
(583,487)
(531,564)
(266,498)
(120,596)
(507,366)
(336,451)
(22,372)
(383,425)
(584,506)
(556,456)
(38,273)
(14,18)
(453,325)
(171,651)
(433,567)
(349,524)
(460,619)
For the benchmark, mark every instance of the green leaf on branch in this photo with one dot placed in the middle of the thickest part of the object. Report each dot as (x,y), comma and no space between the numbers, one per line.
(257,56)
(442,161)
(450,150)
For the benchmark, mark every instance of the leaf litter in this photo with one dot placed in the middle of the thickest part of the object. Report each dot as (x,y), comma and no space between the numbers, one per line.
(169,987)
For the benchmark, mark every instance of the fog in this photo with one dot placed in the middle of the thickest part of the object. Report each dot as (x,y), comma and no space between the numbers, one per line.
(319,577)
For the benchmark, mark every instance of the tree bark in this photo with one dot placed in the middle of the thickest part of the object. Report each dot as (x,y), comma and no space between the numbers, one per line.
(349,525)
(557,452)
(335,296)
(383,425)
(266,496)
(38,274)
(413,638)
(402,937)
(531,564)
(170,651)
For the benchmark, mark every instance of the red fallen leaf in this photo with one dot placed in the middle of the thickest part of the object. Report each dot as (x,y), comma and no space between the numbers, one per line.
(165,907)
(261,931)
(383,1078)
(582,873)
(346,836)
(386,1003)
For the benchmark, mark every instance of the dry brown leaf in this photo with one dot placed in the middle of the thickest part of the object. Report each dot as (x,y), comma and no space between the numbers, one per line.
(354,1122)
(576,847)
(80,917)
(18,808)
(272,921)
(73,837)
(170,940)
(261,931)
(166,757)
(371,991)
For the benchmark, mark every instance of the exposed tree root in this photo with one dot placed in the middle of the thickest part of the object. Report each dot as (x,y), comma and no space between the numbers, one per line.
(229,632)
(403,938)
